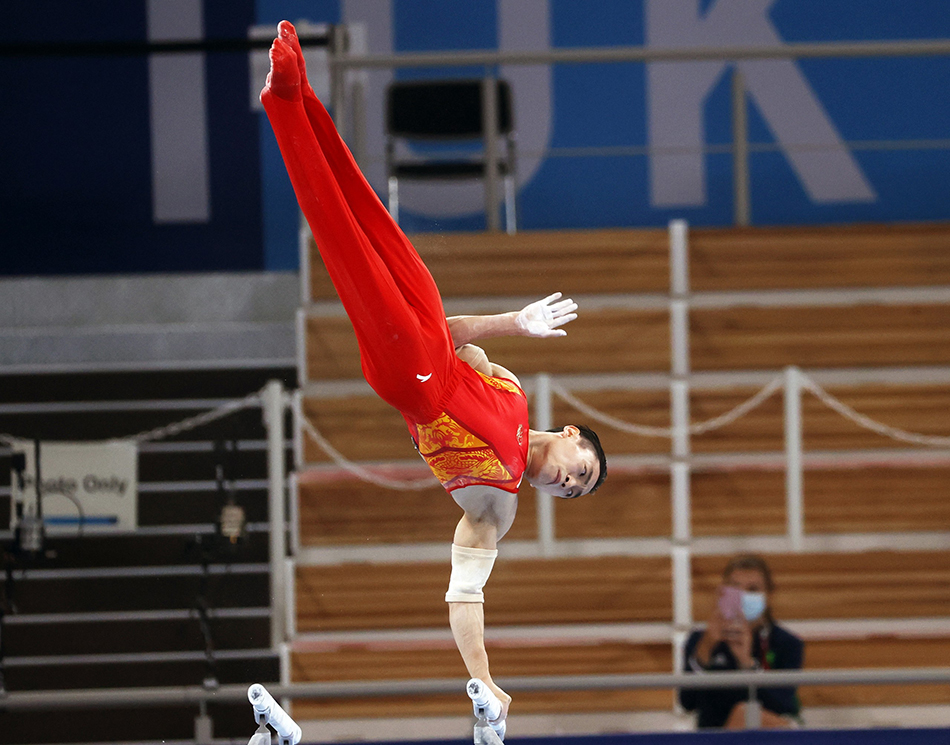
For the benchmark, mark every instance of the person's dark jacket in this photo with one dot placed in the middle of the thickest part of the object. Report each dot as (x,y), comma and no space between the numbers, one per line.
(784,651)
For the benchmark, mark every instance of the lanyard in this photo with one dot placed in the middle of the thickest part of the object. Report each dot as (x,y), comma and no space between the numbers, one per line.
(764,649)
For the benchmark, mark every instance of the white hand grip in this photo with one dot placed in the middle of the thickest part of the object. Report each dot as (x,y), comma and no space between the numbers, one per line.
(267,710)
(487,706)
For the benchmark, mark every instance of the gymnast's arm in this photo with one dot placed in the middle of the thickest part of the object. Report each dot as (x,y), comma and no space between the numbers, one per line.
(539,319)
(489,513)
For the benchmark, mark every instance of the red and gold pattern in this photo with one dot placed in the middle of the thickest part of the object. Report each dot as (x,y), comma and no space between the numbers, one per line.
(458,458)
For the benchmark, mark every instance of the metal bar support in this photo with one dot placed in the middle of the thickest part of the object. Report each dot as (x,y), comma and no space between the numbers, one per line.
(490,132)
(742,208)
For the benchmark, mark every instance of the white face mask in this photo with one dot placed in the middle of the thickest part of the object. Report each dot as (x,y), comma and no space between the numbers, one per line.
(753,605)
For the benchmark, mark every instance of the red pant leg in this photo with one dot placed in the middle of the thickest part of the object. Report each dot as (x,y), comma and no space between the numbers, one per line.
(405,348)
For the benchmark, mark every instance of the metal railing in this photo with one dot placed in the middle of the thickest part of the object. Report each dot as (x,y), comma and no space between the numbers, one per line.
(340,61)
(273,402)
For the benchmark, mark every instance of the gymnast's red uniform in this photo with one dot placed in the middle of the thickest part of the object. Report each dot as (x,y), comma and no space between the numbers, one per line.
(470,428)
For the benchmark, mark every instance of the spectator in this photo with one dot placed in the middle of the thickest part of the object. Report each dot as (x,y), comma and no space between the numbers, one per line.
(741,634)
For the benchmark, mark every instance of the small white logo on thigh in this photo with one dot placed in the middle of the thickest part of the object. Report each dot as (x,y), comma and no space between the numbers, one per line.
(423,378)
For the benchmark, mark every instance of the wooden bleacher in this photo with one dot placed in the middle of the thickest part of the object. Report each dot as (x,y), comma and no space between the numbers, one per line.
(610,590)
(850,496)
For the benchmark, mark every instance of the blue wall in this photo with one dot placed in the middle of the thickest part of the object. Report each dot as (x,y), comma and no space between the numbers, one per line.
(76,197)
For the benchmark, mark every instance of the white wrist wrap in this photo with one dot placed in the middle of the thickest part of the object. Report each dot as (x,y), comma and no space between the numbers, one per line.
(470,570)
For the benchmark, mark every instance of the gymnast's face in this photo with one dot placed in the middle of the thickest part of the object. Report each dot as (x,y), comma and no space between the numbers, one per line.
(568,467)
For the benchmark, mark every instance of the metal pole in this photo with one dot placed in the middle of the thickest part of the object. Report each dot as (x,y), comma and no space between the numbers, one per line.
(600,55)
(794,470)
(545,502)
(742,208)
(337,79)
(490,131)
(273,400)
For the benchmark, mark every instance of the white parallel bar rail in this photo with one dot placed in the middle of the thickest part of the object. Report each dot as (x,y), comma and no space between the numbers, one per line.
(194,695)
(268,711)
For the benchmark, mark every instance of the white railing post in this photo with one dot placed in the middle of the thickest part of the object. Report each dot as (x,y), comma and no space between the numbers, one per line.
(680,446)
(273,401)
(794,499)
(545,502)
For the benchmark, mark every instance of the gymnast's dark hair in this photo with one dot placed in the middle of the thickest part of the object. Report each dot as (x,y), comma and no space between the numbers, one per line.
(594,441)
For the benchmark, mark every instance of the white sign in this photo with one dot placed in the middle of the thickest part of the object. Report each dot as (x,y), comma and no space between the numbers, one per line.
(87,485)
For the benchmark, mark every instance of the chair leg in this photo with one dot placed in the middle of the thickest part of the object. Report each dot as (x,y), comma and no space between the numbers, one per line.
(394,198)
(511,222)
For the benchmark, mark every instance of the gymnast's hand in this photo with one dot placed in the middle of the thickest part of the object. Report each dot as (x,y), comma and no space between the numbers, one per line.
(542,318)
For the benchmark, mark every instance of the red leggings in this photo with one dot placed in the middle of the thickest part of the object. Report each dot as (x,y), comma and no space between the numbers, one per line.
(386,290)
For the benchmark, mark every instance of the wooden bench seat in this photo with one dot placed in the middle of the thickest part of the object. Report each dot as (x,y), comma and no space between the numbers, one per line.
(525,591)
(443,661)
(873,500)
(819,257)
(613,340)
(467,264)
(618,589)
(876,652)
(873,584)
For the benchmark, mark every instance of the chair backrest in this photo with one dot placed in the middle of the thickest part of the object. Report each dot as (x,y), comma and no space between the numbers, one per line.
(443,108)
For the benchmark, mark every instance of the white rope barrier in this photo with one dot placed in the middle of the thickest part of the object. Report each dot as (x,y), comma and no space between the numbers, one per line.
(176,428)
(362,473)
(694,429)
(698,428)
(867,423)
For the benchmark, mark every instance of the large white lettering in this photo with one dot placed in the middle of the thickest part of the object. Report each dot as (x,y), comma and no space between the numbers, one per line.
(677,91)
(177,114)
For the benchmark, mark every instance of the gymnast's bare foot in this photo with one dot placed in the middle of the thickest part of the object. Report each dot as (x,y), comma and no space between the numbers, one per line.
(283,80)
(287,32)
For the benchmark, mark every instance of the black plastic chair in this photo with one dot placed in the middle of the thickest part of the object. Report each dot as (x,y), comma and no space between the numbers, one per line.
(442,111)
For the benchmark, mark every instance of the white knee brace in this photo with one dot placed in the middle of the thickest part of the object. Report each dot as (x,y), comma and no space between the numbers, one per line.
(470,570)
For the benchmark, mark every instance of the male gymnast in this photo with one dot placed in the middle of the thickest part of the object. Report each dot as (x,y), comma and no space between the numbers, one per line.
(467,416)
